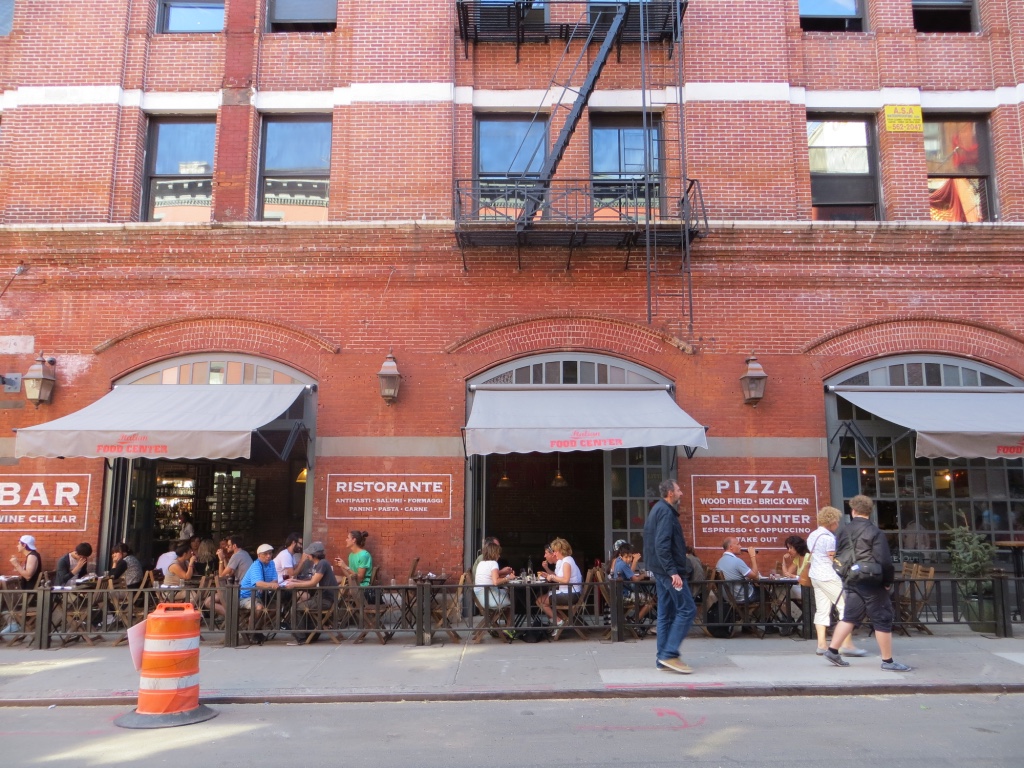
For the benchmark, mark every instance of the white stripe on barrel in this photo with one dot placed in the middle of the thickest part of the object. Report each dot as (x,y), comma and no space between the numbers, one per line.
(167,683)
(164,646)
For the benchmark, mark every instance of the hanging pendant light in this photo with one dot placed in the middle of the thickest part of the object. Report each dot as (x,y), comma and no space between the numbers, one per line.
(505,481)
(559,481)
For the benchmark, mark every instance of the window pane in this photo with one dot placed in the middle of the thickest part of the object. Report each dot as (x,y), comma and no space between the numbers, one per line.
(510,146)
(6,16)
(619,151)
(829,8)
(958,199)
(184,149)
(298,146)
(955,148)
(193,17)
(838,146)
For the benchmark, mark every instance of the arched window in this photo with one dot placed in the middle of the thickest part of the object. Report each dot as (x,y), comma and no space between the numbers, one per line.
(570,369)
(215,368)
(919,499)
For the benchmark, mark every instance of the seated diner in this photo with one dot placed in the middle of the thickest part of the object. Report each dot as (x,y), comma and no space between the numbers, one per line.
(568,575)
(488,579)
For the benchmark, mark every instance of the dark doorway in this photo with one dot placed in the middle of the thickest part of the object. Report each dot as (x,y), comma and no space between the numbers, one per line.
(526,511)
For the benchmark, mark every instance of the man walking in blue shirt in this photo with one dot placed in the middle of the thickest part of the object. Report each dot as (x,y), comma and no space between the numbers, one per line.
(665,556)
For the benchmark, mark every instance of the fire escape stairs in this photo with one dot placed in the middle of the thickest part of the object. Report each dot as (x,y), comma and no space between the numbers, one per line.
(594,27)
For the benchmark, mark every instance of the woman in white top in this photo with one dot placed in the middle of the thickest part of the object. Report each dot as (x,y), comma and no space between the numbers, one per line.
(828,587)
(567,574)
(487,580)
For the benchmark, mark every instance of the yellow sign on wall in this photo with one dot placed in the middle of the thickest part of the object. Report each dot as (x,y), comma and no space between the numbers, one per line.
(903,118)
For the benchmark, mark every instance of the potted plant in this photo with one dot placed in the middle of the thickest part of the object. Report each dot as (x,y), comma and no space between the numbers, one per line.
(971,557)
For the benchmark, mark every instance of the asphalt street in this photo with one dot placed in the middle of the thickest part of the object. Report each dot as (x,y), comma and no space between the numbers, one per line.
(915,730)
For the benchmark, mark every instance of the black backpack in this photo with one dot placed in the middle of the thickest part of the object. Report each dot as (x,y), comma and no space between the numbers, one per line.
(536,633)
(721,620)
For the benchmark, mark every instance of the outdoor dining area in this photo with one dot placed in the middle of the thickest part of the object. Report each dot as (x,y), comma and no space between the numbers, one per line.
(427,608)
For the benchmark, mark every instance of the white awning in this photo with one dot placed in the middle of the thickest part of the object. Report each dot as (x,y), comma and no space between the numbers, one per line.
(184,421)
(577,419)
(952,424)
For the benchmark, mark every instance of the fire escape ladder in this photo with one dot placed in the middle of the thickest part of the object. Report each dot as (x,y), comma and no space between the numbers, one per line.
(595,28)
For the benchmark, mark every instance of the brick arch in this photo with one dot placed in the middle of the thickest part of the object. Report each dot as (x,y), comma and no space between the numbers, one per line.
(241,334)
(934,334)
(538,333)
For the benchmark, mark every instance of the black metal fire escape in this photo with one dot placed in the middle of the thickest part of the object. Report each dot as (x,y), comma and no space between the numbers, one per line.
(544,209)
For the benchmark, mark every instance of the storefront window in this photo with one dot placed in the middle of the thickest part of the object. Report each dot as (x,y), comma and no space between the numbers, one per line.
(919,499)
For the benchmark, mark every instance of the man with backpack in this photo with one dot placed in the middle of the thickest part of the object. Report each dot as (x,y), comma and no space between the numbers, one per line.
(864,563)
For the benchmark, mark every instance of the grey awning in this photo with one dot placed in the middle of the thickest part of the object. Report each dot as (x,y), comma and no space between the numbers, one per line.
(951,424)
(197,421)
(577,419)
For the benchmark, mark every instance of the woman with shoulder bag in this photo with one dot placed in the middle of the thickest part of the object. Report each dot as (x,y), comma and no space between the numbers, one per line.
(828,587)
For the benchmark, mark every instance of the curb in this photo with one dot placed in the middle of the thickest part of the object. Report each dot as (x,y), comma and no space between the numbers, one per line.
(696,691)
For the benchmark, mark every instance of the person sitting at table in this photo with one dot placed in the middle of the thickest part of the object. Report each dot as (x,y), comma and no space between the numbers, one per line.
(31,568)
(549,559)
(322,576)
(359,567)
(697,576)
(568,575)
(125,563)
(622,570)
(164,561)
(72,565)
(488,577)
(183,567)
(734,569)
(793,562)
(206,558)
(260,578)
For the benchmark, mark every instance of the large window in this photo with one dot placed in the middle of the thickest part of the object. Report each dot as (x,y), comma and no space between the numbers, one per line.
(831,15)
(625,166)
(956,151)
(302,15)
(509,155)
(844,184)
(944,15)
(191,16)
(180,170)
(296,169)
(919,499)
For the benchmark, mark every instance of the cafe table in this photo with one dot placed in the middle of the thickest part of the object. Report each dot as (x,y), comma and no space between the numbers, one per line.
(77,602)
(1017,553)
(410,601)
(776,602)
(523,594)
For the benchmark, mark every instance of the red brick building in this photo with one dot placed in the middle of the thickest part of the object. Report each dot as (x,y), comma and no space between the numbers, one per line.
(550,213)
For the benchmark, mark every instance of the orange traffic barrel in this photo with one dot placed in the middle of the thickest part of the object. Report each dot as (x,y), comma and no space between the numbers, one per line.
(169,677)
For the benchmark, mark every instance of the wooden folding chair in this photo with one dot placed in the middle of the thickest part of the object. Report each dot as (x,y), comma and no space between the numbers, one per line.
(413,567)
(574,614)
(746,613)
(451,608)
(913,601)
(368,615)
(488,623)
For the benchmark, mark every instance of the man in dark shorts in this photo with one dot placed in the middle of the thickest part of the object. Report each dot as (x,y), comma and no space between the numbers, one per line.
(865,565)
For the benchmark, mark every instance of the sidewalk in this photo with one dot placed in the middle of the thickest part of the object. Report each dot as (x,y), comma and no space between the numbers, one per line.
(955,660)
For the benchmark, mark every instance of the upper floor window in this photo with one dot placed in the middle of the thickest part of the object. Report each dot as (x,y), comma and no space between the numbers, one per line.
(956,151)
(625,159)
(509,147)
(831,15)
(296,168)
(844,184)
(943,15)
(6,17)
(302,15)
(509,155)
(191,16)
(179,170)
